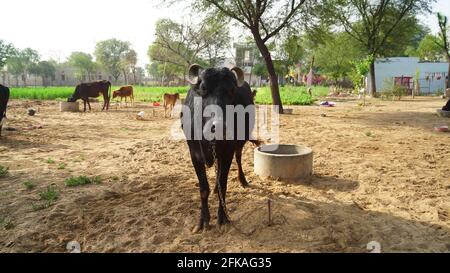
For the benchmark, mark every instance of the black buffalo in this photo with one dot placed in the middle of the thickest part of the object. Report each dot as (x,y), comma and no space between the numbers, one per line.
(221,87)
(85,91)
(447,106)
(4,97)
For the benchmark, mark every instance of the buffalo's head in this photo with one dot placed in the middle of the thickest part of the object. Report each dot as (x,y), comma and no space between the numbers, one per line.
(217,88)
(71,99)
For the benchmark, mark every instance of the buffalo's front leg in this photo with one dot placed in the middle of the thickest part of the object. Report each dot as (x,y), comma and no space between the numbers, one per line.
(223,168)
(200,170)
(84,103)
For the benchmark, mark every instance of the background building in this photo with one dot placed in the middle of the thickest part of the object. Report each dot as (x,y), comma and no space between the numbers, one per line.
(432,75)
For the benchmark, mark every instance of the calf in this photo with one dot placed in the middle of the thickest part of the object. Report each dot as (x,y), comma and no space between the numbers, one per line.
(169,102)
(124,92)
(4,97)
(85,91)
(220,88)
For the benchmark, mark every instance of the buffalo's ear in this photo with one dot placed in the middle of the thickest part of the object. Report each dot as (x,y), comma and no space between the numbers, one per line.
(239,74)
(194,74)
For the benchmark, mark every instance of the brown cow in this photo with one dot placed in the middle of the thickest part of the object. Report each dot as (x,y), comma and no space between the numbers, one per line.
(85,91)
(169,102)
(124,92)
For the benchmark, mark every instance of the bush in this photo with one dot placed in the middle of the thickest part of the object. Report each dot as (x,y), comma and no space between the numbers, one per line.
(392,91)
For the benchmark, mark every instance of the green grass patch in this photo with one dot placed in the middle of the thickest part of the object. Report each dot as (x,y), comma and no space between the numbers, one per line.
(61,166)
(82,180)
(141,93)
(49,195)
(291,95)
(47,199)
(50,161)
(7,223)
(29,185)
(4,171)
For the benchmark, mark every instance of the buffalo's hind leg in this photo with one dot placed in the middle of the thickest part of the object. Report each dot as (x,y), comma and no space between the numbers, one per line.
(200,170)
(224,165)
(84,103)
(239,148)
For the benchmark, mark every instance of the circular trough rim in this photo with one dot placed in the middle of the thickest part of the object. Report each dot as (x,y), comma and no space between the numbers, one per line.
(442,113)
(308,151)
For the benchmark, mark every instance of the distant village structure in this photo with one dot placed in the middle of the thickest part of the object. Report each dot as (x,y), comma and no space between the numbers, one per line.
(66,75)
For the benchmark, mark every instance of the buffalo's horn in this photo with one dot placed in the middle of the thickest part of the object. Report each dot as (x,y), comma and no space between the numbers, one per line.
(194,72)
(239,75)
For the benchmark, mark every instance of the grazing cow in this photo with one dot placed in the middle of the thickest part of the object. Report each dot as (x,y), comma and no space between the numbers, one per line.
(447,106)
(169,102)
(85,91)
(221,88)
(4,97)
(124,92)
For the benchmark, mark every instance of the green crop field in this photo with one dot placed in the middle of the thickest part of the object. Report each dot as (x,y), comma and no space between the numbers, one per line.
(289,95)
(143,94)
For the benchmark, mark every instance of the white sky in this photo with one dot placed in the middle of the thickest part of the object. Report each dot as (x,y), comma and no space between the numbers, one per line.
(57,27)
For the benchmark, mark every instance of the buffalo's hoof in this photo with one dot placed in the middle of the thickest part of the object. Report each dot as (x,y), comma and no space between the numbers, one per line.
(200,228)
(245,184)
(224,228)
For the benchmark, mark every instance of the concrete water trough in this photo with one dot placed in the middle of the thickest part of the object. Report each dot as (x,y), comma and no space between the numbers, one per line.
(69,106)
(284,162)
(443,114)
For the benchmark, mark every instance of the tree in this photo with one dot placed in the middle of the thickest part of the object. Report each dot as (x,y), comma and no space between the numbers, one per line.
(16,67)
(7,50)
(110,54)
(444,41)
(46,70)
(429,49)
(22,63)
(373,22)
(264,19)
(83,64)
(335,56)
(289,52)
(181,45)
(129,61)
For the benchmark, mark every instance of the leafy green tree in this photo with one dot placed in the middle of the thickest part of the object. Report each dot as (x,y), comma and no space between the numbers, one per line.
(7,50)
(373,23)
(22,63)
(265,19)
(47,71)
(444,40)
(83,64)
(335,56)
(129,61)
(181,45)
(289,53)
(110,54)
(429,49)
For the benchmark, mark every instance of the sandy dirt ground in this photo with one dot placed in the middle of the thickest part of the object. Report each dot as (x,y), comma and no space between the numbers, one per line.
(381,173)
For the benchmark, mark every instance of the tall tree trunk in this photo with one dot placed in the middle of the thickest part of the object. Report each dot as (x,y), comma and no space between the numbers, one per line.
(373,82)
(274,87)
(125,76)
(448,74)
